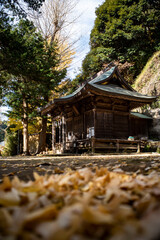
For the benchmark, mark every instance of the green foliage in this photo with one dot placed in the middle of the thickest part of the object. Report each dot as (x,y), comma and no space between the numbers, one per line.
(31,66)
(10,13)
(18,7)
(125,31)
(76,81)
(3,126)
(150,148)
(153,146)
(22,52)
(156,104)
(29,62)
(10,148)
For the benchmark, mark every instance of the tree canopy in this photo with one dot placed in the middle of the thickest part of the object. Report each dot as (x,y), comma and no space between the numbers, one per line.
(28,66)
(124,31)
(3,126)
(10,13)
(19,7)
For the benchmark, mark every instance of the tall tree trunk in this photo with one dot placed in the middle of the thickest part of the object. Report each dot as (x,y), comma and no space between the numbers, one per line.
(43,133)
(42,136)
(25,128)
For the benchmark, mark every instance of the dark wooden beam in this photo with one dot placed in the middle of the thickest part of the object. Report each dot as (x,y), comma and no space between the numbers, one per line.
(53,135)
(75,110)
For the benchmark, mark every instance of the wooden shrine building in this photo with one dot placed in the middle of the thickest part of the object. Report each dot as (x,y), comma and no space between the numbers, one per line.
(98,116)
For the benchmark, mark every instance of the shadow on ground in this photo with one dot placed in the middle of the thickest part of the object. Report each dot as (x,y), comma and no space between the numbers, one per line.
(24,167)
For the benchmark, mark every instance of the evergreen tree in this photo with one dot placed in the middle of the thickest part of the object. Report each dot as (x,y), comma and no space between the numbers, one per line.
(3,126)
(27,62)
(124,31)
(18,8)
(31,64)
(10,12)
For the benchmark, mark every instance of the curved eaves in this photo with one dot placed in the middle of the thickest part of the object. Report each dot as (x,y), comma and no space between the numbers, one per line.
(120,92)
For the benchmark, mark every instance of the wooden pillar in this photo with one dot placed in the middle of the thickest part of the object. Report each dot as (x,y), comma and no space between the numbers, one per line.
(94,114)
(93,144)
(53,135)
(117,146)
(129,119)
(113,120)
(63,133)
(59,125)
(84,126)
(138,147)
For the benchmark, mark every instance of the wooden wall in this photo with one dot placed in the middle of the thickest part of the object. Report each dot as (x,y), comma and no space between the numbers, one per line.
(104,125)
(111,125)
(121,126)
(99,117)
(138,127)
(112,118)
(78,126)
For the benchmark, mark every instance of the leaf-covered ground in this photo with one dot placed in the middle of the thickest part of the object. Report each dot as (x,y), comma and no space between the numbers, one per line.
(24,167)
(81,198)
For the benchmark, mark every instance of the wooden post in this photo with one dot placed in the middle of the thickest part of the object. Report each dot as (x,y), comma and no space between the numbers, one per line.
(117,146)
(129,119)
(63,133)
(59,125)
(93,144)
(18,145)
(138,147)
(53,135)
(113,119)
(84,126)
(94,114)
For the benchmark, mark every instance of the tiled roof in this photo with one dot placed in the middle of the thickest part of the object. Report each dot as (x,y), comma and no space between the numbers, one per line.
(116,90)
(103,76)
(107,89)
(70,95)
(140,115)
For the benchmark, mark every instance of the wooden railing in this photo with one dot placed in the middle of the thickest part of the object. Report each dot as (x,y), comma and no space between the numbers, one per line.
(94,144)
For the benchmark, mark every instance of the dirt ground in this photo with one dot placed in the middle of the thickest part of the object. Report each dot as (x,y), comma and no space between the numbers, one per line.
(23,167)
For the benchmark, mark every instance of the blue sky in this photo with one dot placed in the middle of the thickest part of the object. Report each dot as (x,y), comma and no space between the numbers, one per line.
(86,10)
(3,110)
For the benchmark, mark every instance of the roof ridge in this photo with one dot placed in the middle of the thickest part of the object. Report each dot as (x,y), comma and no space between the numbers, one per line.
(109,71)
(101,72)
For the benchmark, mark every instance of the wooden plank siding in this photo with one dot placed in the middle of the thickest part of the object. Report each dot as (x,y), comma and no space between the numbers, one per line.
(78,126)
(104,125)
(89,121)
(139,127)
(121,126)
(111,125)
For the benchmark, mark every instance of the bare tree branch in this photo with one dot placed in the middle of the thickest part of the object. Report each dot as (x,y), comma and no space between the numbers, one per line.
(56,23)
